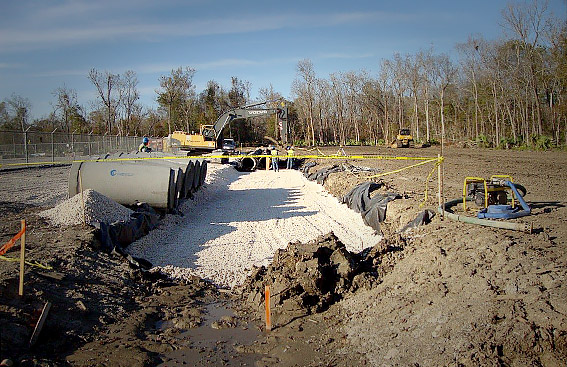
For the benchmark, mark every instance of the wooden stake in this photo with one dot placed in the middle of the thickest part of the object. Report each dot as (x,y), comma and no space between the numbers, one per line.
(440,186)
(268,311)
(22,257)
(40,323)
(82,196)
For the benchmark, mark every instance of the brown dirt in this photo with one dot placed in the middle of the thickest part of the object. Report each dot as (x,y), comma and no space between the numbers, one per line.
(447,293)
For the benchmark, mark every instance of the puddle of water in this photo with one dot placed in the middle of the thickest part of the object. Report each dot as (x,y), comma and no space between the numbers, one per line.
(208,346)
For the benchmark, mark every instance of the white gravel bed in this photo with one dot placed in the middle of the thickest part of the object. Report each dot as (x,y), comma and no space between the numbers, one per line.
(238,220)
(97,208)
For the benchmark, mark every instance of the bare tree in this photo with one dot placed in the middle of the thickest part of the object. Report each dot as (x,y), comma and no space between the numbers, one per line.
(273,98)
(66,105)
(528,25)
(174,90)
(471,63)
(414,74)
(338,95)
(106,84)
(20,108)
(445,73)
(130,94)
(304,88)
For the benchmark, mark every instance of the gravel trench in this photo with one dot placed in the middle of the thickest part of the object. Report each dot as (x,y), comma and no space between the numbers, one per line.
(238,220)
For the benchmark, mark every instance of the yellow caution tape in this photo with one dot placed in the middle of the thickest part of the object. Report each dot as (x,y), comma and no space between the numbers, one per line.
(30,263)
(437,164)
(437,161)
(318,156)
(404,168)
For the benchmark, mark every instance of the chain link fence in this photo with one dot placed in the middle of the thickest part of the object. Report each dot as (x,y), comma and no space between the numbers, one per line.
(34,146)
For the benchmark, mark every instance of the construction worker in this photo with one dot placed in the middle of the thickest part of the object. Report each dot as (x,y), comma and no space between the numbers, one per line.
(274,153)
(289,157)
(144,146)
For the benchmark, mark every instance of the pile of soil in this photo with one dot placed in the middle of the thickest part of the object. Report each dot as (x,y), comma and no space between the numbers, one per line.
(307,278)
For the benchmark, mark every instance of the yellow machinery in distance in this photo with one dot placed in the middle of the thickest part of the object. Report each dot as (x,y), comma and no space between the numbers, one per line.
(404,139)
(193,141)
(209,137)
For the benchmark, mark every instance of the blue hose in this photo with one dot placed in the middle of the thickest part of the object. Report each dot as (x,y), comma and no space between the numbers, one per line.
(506,211)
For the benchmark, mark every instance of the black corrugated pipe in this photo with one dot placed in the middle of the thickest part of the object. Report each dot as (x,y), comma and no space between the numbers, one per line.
(248,164)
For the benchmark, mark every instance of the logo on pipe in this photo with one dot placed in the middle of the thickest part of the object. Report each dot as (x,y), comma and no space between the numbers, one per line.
(116,173)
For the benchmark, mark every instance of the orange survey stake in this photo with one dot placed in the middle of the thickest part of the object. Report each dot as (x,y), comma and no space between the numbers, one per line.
(268,311)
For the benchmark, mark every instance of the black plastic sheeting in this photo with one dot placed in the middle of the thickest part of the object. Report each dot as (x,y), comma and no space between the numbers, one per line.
(372,209)
(422,218)
(321,175)
(115,237)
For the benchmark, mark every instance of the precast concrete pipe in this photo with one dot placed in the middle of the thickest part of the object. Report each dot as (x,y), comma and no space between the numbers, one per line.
(197,175)
(203,173)
(179,186)
(183,183)
(189,177)
(126,182)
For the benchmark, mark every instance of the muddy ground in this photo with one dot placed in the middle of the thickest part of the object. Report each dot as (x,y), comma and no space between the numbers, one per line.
(446,293)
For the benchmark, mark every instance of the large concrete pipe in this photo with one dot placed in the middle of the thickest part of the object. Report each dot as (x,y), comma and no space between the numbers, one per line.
(126,182)
(189,177)
(197,176)
(174,164)
(171,192)
(179,183)
(203,173)
(184,184)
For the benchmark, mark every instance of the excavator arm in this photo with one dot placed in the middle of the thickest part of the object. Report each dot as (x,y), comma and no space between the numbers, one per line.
(239,113)
(210,136)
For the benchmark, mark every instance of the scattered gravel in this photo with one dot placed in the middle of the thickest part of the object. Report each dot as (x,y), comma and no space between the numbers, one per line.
(98,208)
(239,220)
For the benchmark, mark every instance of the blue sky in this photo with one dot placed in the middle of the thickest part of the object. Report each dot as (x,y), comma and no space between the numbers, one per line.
(45,45)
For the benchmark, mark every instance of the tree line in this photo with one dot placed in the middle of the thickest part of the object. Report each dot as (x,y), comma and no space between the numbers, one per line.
(500,93)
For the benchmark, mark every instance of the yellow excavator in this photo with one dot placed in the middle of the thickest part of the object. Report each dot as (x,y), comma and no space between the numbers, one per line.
(209,137)
(404,139)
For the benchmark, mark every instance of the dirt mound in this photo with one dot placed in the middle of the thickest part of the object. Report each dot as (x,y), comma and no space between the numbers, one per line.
(308,278)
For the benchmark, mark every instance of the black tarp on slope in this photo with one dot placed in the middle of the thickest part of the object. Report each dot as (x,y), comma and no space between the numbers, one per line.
(372,209)
(115,237)
(422,218)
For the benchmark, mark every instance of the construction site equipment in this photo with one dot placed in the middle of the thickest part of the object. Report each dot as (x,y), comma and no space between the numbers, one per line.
(404,139)
(209,137)
(492,191)
(522,227)
(505,211)
(492,196)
